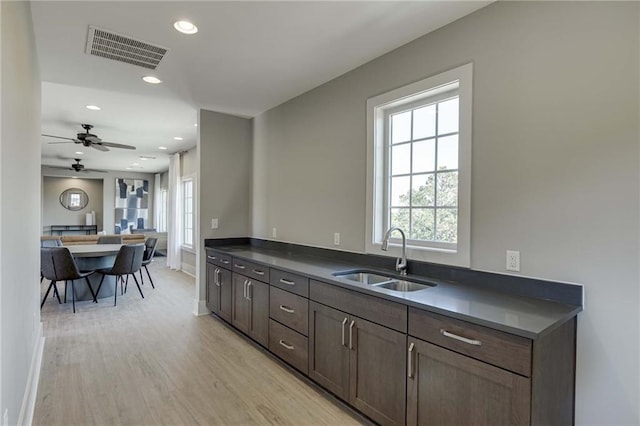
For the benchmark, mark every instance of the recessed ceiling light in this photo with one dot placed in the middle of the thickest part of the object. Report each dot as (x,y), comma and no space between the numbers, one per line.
(79,152)
(128,168)
(93,107)
(151,79)
(178,138)
(162,147)
(185,27)
(196,124)
(135,164)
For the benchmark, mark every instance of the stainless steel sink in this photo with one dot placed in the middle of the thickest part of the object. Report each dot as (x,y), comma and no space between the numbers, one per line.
(401,285)
(382,281)
(363,277)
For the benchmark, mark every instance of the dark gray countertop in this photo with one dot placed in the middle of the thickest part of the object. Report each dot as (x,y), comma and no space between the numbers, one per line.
(519,315)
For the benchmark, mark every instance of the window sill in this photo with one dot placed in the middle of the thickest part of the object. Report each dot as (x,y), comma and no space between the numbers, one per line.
(424,254)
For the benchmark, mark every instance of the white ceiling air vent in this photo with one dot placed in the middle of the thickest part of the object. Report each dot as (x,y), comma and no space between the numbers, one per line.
(121,48)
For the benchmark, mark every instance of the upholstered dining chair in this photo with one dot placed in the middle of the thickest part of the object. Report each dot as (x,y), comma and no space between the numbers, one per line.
(110,239)
(128,262)
(57,264)
(54,242)
(149,252)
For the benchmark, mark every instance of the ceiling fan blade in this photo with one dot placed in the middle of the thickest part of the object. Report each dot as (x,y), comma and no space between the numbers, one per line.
(94,171)
(56,143)
(59,137)
(116,145)
(93,139)
(99,147)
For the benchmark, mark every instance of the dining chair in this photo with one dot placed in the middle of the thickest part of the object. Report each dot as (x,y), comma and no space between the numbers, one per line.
(149,252)
(54,242)
(128,262)
(110,239)
(57,264)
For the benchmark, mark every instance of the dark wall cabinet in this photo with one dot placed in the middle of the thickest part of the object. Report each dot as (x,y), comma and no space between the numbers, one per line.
(396,364)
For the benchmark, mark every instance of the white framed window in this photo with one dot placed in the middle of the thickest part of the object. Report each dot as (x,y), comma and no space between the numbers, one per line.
(187,212)
(419,167)
(162,214)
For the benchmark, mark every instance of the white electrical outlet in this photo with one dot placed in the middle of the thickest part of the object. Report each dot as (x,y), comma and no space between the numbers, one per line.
(274,233)
(513,260)
(214,223)
(336,239)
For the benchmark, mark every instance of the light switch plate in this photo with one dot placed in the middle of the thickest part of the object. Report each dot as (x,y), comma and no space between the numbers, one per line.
(214,223)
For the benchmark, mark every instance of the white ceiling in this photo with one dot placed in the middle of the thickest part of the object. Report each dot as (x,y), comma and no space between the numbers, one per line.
(246,58)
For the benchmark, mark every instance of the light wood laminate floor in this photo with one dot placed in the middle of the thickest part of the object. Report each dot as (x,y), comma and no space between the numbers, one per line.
(152,362)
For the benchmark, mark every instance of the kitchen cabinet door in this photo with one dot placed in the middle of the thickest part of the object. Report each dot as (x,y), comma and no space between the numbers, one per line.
(258,295)
(447,388)
(377,371)
(241,305)
(225,301)
(328,350)
(213,289)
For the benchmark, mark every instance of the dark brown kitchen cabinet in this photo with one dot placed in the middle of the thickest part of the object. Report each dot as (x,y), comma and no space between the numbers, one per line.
(250,310)
(218,290)
(447,388)
(359,361)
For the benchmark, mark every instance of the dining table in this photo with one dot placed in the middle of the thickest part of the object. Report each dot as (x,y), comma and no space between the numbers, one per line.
(91,257)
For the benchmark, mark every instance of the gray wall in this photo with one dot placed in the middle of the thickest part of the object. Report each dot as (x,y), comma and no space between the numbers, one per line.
(224,159)
(20,328)
(109,192)
(555,165)
(53,213)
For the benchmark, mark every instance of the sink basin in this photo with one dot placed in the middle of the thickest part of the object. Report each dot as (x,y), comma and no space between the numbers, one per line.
(402,285)
(363,277)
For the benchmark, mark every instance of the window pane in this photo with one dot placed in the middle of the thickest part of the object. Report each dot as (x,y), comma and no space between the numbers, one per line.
(447,195)
(400,191)
(424,122)
(447,225)
(400,218)
(422,224)
(448,153)
(401,159)
(424,156)
(401,127)
(448,116)
(422,188)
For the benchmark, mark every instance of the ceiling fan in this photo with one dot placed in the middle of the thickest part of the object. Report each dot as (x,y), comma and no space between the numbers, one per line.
(90,140)
(78,167)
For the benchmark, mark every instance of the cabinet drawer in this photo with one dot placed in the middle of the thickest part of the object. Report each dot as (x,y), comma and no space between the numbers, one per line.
(375,309)
(290,310)
(494,347)
(218,258)
(292,347)
(290,282)
(251,269)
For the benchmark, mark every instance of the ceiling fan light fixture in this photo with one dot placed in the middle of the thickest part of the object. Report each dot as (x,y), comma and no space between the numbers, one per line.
(93,107)
(151,79)
(185,27)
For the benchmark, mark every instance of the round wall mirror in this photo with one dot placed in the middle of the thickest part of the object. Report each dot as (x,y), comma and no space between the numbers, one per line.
(74,199)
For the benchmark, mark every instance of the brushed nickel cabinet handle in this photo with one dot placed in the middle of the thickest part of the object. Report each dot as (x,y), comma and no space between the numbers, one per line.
(244,289)
(211,257)
(219,278)
(226,262)
(257,272)
(249,286)
(351,334)
(344,322)
(286,309)
(287,282)
(239,266)
(474,342)
(216,275)
(284,344)
(410,361)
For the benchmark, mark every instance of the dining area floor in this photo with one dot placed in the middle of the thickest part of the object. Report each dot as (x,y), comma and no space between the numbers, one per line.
(152,362)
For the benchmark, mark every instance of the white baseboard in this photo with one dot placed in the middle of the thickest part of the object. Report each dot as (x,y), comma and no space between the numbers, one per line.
(188,269)
(200,308)
(31,391)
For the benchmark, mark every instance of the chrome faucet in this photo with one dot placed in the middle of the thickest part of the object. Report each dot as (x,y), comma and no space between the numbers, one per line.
(401,263)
